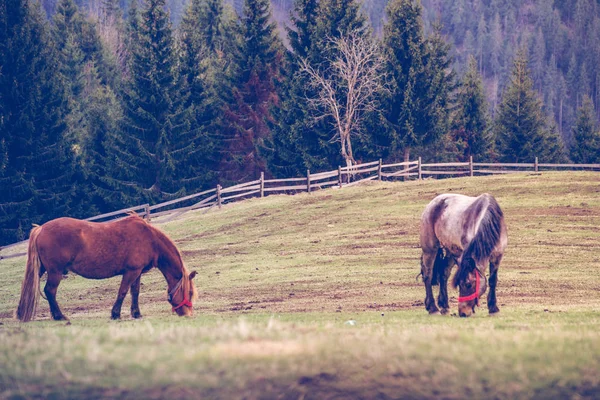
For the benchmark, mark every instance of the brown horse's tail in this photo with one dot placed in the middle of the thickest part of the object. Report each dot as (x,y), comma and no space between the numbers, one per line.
(30,288)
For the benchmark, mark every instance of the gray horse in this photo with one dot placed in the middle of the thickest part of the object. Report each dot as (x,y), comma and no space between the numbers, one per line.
(469,232)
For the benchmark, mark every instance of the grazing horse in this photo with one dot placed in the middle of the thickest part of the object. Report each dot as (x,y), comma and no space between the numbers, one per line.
(127,247)
(469,232)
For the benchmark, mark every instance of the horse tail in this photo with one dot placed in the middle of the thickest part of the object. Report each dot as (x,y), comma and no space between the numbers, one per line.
(31,282)
(486,237)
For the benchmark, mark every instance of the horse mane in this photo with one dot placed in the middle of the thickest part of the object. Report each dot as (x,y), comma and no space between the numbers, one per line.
(134,215)
(486,238)
(185,279)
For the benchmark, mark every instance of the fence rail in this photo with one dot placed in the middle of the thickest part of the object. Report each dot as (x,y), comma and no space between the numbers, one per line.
(345,177)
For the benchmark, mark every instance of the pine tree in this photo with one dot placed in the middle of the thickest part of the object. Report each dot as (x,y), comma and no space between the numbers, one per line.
(521,128)
(471,125)
(256,72)
(404,47)
(438,86)
(102,111)
(149,155)
(206,40)
(67,30)
(336,19)
(37,164)
(304,25)
(294,146)
(418,106)
(87,77)
(212,26)
(70,25)
(586,138)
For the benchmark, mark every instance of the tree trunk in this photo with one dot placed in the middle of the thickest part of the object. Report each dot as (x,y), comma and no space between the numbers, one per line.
(347,154)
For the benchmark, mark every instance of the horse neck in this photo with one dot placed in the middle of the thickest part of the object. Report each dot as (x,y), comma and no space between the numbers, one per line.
(170,263)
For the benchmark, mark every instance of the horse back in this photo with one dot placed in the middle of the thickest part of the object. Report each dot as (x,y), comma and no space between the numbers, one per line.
(451,221)
(97,250)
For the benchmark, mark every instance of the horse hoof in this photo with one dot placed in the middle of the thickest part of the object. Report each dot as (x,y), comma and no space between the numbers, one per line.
(136,315)
(444,311)
(434,312)
(493,313)
(115,317)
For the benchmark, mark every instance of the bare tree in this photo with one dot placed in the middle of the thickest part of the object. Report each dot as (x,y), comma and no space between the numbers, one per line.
(348,88)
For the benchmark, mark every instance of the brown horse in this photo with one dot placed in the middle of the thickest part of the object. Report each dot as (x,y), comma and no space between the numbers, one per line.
(127,247)
(468,231)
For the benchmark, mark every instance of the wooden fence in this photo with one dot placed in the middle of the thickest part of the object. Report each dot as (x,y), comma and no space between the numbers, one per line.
(342,177)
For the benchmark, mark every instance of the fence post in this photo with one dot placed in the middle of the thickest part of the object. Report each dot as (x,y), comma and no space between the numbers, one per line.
(471,165)
(147,212)
(419,168)
(340,176)
(308,180)
(535,165)
(219,195)
(262,184)
(379,171)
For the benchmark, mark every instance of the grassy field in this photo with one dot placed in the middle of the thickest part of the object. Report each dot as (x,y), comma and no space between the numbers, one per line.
(314,296)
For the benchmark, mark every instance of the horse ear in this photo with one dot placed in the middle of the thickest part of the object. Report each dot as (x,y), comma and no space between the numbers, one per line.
(193,274)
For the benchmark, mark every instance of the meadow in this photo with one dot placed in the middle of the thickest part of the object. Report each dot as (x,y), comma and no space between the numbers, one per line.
(315,296)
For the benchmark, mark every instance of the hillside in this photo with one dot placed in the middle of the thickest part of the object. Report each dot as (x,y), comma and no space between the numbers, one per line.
(356,249)
(315,296)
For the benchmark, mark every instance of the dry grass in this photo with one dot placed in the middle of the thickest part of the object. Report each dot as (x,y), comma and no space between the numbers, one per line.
(279,277)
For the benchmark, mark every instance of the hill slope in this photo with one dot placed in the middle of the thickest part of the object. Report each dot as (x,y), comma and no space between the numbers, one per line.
(314,296)
(357,249)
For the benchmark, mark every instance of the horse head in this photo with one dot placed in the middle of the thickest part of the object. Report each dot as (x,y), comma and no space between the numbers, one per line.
(472,284)
(182,294)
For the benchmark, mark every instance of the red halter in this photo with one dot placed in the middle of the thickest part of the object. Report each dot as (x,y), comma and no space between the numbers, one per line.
(475,295)
(185,301)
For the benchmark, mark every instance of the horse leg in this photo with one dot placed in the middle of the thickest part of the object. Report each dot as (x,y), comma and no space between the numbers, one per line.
(135,293)
(427,261)
(128,278)
(491,299)
(443,297)
(50,289)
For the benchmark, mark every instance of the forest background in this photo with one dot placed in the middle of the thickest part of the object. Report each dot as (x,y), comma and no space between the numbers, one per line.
(106,104)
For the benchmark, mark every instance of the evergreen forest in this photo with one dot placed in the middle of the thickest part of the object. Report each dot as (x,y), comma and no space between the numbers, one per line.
(106,104)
